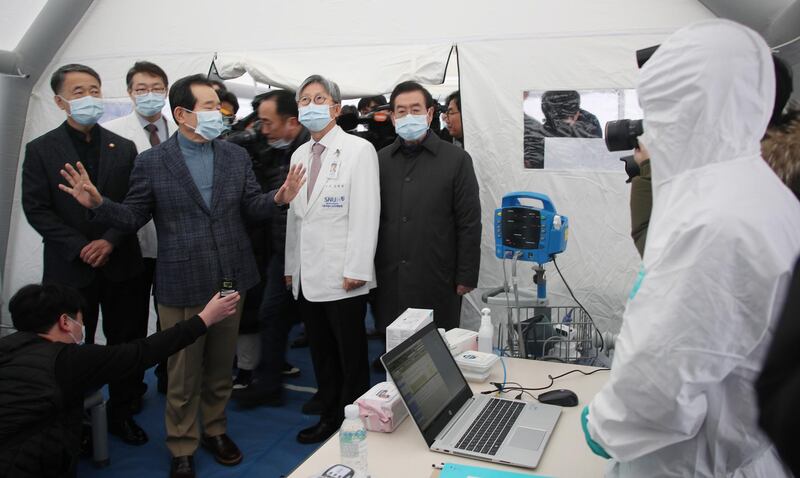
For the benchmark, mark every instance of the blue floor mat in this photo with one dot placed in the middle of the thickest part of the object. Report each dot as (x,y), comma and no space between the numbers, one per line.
(266,435)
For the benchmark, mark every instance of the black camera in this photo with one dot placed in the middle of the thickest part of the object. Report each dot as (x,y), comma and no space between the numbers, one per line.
(621,135)
(246,136)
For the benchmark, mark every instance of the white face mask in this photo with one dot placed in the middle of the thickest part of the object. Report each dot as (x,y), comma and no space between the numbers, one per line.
(280,144)
(83,332)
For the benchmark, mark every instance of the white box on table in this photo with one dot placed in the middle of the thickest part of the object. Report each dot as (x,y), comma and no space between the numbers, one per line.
(404,326)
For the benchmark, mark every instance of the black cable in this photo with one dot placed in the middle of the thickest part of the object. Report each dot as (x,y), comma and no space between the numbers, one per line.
(602,343)
(501,388)
(579,371)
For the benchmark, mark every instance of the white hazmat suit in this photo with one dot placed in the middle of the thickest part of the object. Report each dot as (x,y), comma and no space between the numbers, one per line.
(723,236)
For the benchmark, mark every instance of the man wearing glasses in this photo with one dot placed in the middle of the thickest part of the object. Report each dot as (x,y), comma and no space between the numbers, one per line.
(452,118)
(331,235)
(146,127)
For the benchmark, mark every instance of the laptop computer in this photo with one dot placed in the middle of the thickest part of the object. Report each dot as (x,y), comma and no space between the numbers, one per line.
(452,419)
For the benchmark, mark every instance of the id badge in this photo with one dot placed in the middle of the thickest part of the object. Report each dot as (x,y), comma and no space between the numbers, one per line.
(333,170)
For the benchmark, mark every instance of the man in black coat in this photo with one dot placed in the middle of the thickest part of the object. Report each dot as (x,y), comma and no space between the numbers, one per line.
(277,310)
(104,263)
(45,374)
(429,239)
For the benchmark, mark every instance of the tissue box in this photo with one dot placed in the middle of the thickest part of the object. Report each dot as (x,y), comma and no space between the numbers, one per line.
(404,326)
(461,340)
(381,408)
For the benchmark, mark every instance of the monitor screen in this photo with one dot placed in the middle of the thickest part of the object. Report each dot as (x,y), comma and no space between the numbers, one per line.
(426,375)
(521,227)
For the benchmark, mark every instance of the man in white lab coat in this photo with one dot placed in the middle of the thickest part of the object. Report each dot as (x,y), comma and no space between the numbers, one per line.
(146,127)
(147,85)
(331,236)
(722,240)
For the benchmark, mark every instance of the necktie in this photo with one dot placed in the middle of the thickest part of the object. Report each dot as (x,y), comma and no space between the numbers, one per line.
(153,130)
(316,165)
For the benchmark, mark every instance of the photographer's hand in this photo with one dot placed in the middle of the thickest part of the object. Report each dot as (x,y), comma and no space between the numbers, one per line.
(640,154)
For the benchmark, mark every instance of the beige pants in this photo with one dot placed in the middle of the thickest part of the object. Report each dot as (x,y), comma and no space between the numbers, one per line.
(199,380)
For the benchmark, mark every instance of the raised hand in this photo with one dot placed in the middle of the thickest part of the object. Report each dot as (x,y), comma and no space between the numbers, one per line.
(80,186)
(294,181)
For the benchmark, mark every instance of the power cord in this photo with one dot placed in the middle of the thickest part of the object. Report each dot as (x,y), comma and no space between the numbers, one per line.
(599,335)
(503,388)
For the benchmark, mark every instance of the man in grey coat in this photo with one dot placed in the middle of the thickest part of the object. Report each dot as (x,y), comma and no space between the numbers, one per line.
(429,239)
(199,191)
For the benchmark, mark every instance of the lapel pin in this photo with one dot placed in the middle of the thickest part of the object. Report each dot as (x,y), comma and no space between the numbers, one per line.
(336,152)
(112,145)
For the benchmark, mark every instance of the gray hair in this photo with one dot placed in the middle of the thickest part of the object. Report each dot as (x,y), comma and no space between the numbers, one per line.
(330,87)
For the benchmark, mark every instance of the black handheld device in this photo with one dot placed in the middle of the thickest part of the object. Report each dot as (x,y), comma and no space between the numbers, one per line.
(227,287)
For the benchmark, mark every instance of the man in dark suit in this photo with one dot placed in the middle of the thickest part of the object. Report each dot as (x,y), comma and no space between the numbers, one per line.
(199,191)
(429,240)
(104,263)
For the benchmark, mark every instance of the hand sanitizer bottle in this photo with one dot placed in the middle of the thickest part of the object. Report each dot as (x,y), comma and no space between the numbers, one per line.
(486,332)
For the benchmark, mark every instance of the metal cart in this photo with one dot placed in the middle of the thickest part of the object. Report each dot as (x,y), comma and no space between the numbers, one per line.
(533,329)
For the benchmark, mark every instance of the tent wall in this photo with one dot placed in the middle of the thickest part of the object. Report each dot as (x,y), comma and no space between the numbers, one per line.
(600,262)
(31,54)
(504,48)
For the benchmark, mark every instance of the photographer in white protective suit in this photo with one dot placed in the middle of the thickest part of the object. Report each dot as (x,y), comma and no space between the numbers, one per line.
(723,237)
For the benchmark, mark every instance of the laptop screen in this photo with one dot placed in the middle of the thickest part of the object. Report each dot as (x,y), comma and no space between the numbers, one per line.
(428,378)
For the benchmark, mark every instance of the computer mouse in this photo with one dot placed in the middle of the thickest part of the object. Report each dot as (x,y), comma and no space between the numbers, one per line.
(560,397)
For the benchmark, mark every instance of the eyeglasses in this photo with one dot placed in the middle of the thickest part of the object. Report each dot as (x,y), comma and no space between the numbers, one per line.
(144,91)
(318,100)
(450,113)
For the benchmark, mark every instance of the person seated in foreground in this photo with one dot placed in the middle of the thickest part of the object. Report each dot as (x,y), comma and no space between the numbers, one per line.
(46,371)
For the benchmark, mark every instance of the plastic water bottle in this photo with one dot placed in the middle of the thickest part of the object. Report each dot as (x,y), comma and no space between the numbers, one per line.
(486,332)
(353,442)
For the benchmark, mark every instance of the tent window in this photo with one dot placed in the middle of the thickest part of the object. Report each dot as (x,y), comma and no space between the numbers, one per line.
(563,129)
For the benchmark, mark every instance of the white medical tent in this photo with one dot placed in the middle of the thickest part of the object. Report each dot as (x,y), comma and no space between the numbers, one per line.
(496,49)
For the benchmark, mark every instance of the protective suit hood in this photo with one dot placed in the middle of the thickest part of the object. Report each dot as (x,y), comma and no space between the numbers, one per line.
(704,100)
(723,236)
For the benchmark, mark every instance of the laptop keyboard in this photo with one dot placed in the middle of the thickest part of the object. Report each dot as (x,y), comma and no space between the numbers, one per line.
(490,428)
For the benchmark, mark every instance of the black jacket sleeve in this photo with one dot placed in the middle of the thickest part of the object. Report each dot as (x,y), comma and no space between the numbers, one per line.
(112,235)
(778,387)
(37,202)
(85,367)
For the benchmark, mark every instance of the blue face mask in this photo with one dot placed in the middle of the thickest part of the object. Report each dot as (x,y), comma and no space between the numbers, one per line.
(86,110)
(411,127)
(209,124)
(315,117)
(149,104)
(83,333)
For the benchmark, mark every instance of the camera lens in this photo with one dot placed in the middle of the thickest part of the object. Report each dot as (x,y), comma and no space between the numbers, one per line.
(621,135)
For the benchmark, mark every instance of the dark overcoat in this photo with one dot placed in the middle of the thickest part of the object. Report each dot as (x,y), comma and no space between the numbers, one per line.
(430,230)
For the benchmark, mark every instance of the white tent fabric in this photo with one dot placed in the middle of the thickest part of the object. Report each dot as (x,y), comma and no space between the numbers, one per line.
(389,66)
(600,262)
(369,46)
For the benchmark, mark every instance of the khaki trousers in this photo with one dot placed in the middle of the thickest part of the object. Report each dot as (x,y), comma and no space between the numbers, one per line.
(199,380)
